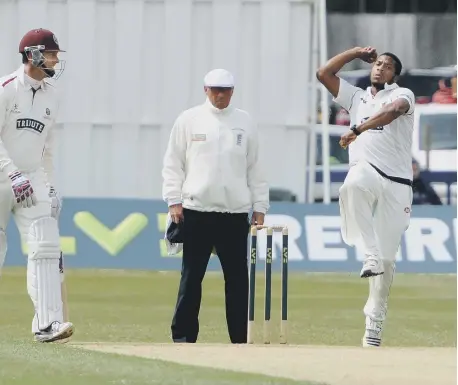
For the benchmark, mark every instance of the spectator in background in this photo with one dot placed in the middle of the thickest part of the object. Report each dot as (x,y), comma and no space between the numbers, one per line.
(343,117)
(423,193)
(445,93)
(453,81)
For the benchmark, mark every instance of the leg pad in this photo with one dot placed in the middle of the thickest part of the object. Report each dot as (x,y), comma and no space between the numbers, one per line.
(43,277)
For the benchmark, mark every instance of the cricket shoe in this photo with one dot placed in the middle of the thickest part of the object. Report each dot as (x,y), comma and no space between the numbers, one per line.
(373,334)
(372,267)
(56,332)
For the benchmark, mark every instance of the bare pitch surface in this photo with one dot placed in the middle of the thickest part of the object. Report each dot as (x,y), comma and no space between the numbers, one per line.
(323,364)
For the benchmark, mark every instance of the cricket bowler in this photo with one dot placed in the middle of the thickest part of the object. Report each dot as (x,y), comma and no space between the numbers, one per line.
(376,197)
(28,110)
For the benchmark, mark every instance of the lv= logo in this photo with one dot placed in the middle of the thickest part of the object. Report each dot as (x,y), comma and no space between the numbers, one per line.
(111,240)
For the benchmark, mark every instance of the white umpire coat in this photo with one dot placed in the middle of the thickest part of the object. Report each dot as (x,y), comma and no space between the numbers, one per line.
(212,162)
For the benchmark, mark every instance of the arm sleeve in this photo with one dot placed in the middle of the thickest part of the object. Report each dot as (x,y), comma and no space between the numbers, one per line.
(347,94)
(173,171)
(48,157)
(406,94)
(6,164)
(257,182)
(49,151)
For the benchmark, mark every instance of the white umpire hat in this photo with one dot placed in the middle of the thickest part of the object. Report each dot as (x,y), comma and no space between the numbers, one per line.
(219,78)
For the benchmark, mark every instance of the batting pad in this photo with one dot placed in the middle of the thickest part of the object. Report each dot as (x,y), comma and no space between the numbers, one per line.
(43,276)
(3,248)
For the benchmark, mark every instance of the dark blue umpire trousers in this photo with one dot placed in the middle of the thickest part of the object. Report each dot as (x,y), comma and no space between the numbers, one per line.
(227,233)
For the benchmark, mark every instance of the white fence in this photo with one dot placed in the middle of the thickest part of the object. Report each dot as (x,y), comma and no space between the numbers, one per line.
(133,65)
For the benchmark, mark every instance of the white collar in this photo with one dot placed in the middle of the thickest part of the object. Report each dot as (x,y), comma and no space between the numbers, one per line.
(27,81)
(391,86)
(216,110)
(387,87)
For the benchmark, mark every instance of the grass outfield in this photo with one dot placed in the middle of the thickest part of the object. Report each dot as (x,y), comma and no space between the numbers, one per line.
(136,307)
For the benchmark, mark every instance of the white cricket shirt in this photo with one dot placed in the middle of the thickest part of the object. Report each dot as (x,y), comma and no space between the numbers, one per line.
(26,120)
(212,162)
(390,147)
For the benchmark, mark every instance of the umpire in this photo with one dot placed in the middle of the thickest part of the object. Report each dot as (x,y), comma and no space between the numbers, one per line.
(212,180)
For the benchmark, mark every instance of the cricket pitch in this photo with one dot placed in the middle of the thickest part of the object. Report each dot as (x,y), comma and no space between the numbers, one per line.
(324,364)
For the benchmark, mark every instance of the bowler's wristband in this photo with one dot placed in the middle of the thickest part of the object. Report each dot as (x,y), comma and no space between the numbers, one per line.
(355,130)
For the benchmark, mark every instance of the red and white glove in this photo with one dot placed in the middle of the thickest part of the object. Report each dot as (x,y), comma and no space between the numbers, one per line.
(22,190)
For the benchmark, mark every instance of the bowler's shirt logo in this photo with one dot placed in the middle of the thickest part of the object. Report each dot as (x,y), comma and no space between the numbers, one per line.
(30,125)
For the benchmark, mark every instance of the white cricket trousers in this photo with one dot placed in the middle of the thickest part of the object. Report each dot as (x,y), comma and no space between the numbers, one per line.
(375,212)
(24,217)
